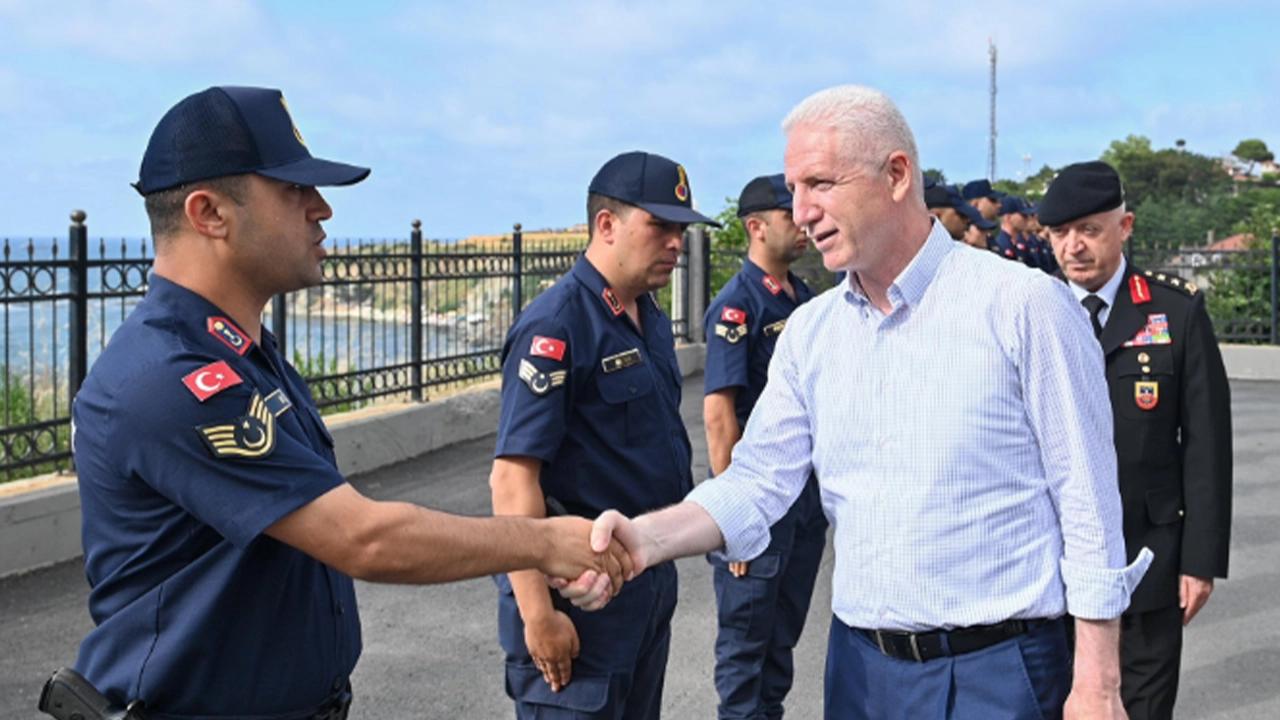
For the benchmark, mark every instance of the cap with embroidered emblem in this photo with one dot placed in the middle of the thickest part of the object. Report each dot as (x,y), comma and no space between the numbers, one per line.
(980,188)
(652,183)
(229,130)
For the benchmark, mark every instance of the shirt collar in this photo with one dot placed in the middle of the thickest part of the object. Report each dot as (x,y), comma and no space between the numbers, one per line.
(910,285)
(198,314)
(1106,292)
(756,275)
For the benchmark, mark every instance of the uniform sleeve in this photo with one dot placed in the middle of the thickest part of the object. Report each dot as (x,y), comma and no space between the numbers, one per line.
(1205,418)
(1068,406)
(168,438)
(537,382)
(770,465)
(726,325)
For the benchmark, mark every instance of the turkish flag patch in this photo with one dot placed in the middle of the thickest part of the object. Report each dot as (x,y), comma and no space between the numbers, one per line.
(211,380)
(547,347)
(733,315)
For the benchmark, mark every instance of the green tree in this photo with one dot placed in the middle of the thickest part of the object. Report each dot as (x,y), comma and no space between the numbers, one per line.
(1253,151)
(1166,173)
(935,175)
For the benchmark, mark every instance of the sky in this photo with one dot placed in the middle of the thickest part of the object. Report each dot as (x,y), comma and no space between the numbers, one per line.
(477,115)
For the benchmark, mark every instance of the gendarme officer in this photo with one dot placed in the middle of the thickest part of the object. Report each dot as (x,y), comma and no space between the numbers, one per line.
(1172,410)
(591,421)
(220,539)
(762,603)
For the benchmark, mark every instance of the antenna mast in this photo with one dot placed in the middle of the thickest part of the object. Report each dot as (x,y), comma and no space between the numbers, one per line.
(991,147)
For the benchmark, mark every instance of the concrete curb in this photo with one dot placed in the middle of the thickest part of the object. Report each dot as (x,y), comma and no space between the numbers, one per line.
(1252,362)
(42,526)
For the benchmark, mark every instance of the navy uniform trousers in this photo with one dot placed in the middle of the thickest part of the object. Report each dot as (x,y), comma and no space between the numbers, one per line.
(1023,678)
(762,614)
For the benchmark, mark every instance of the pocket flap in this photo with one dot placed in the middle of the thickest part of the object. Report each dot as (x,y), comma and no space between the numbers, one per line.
(584,693)
(1164,506)
(623,385)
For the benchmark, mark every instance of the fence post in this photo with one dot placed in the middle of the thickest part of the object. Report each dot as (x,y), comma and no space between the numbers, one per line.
(279,313)
(415,312)
(517,271)
(1275,289)
(699,281)
(78,342)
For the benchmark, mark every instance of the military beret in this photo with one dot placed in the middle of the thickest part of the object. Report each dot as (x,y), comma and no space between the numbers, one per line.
(1081,189)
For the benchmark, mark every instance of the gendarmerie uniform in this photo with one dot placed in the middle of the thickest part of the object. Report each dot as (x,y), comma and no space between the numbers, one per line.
(1172,410)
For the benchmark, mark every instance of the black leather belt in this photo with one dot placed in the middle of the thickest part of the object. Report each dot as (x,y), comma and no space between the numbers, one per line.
(922,647)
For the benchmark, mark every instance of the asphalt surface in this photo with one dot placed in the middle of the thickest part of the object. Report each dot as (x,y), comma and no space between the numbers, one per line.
(431,652)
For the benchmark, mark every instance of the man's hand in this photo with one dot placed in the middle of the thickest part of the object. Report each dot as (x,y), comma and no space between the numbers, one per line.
(610,529)
(738,569)
(553,644)
(571,557)
(1193,593)
(1082,705)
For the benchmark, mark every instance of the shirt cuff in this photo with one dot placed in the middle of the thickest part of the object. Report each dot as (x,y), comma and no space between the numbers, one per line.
(1102,593)
(745,533)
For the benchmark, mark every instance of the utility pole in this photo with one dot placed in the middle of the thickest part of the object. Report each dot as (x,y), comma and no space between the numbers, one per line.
(991,147)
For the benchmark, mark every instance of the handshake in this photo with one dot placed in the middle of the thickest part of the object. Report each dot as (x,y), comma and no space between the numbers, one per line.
(588,562)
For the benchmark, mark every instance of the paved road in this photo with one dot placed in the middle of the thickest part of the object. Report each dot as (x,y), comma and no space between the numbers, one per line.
(431,652)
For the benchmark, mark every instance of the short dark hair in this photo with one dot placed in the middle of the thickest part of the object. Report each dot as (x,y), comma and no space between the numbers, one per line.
(597,202)
(166,208)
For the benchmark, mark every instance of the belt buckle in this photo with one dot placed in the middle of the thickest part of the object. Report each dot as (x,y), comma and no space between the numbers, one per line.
(880,642)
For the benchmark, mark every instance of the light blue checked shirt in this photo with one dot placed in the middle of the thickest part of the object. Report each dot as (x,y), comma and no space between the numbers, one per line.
(963,443)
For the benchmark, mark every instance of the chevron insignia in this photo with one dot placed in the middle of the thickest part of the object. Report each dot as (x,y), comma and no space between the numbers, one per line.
(539,382)
(250,436)
(731,333)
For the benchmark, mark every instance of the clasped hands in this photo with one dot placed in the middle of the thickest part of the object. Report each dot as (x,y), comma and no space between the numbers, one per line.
(592,560)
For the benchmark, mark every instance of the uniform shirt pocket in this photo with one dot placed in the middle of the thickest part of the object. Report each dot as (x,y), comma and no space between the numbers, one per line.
(630,392)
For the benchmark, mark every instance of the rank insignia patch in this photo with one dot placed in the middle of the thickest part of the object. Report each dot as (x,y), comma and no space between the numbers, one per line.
(1138,290)
(615,305)
(775,328)
(625,359)
(731,333)
(771,284)
(547,347)
(230,335)
(252,435)
(733,315)
(211,379)
(539,382)
(1146,394)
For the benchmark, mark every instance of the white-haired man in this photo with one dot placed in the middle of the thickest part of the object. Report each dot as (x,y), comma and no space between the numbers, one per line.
(963,449)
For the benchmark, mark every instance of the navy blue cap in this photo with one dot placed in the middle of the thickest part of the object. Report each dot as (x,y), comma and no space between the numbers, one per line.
(652,183)
(230,131)
(946,196)
(1081,189)
(980,188)
(1012,204)
(767,192)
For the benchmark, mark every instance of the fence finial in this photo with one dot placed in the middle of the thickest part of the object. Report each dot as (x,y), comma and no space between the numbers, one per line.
(417,224)
(517,227)
(78,217)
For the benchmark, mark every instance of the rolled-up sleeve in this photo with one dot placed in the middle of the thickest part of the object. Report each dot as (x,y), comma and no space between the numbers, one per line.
(1064,384)
(770,464)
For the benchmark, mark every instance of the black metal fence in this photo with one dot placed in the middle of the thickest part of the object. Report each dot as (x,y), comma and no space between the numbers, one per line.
(395,319)
(1242,286)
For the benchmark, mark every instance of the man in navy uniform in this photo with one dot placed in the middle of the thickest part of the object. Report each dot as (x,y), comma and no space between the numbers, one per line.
(962,221)
(1013,221)
(220,539)
(762,603)
(590,421)
(982,197)
(1172,410)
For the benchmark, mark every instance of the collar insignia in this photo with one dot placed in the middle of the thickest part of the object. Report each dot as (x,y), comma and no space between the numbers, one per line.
(771,284)
(250,436)
(622,360)
(1138,290)
(540,383)
(615,306)
(230,335)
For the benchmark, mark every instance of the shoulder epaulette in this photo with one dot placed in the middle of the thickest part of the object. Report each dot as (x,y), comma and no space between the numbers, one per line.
(1172,281)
